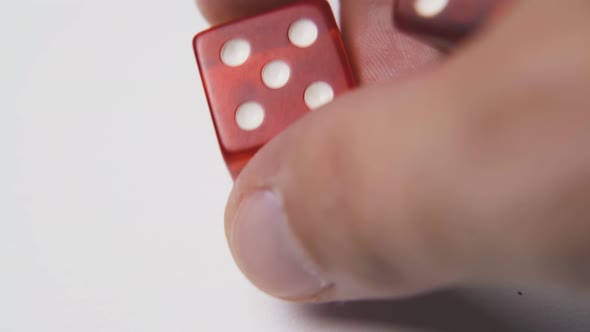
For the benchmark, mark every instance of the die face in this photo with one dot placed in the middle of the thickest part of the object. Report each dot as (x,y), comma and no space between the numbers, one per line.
(257,73)
(445,21)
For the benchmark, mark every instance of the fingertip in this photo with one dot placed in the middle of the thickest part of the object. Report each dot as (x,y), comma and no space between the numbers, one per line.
(268,252)
(221,11)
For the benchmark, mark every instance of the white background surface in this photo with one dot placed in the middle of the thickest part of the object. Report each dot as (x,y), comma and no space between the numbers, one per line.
(112,192)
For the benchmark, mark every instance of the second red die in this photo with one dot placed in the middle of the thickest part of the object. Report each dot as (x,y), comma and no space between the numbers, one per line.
(262,73)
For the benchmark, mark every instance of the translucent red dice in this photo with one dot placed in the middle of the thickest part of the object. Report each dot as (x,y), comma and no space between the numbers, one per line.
(445,22)
(262,73)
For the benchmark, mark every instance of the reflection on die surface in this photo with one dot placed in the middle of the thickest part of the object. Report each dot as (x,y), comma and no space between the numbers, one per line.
(262,73)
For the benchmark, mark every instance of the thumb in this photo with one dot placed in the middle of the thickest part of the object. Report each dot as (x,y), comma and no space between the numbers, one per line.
(331,207)
(397,189)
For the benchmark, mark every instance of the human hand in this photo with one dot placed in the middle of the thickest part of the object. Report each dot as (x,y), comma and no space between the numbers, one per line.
(472,169)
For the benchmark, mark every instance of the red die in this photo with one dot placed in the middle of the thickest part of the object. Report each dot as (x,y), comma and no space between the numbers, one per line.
(445,21)
(262,73)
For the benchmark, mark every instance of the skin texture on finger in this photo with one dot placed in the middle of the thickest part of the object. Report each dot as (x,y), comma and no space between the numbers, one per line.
(377,49)
(474,173)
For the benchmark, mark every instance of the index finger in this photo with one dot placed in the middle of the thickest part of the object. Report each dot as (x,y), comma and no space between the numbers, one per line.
(220,11)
